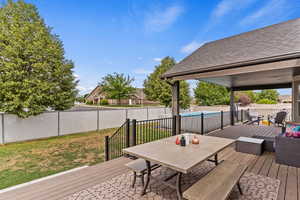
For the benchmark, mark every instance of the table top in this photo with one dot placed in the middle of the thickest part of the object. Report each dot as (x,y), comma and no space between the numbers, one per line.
(182,159)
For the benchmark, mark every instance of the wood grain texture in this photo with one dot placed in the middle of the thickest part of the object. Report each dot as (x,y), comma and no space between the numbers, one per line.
(163,151)
(218,184)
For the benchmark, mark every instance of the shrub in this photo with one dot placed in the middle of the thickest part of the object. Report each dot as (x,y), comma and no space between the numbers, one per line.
(244,99)
(89,102)
(266,101)
(104,102)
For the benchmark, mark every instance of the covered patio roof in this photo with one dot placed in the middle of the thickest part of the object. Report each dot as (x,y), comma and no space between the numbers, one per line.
(264,58)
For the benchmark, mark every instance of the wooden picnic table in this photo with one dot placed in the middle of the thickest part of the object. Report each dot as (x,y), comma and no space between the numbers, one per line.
(180,159)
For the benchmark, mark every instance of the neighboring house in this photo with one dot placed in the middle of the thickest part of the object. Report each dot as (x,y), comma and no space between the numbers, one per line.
(285,98)
(137,98)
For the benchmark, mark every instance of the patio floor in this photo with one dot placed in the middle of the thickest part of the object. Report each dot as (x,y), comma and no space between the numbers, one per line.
(67,184)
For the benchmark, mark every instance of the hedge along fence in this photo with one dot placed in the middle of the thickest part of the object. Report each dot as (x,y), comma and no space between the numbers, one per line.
(50,124)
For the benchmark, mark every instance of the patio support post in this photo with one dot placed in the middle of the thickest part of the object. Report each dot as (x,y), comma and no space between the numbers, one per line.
(175,104)
(231,107)
(173,125)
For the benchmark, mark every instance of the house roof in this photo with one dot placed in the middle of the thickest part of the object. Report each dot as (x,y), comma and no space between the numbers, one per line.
(139,92)
(269,44)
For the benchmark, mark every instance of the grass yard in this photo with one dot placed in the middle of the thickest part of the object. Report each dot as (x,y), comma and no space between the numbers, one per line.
(26,161)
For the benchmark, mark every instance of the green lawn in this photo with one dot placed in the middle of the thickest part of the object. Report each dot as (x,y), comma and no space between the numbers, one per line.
(26,161)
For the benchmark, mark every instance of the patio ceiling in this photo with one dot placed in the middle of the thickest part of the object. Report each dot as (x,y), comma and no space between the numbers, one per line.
(264,58)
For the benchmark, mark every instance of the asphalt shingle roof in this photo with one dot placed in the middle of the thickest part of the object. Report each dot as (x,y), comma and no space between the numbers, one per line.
(275,42)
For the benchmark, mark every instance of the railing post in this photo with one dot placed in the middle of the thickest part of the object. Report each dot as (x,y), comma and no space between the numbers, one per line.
(127,133)
(106,148)
(133,137)
(174,125)
(202,123)
(242,115)
(222,119)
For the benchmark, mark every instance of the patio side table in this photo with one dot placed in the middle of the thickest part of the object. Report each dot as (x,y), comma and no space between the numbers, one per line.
(249,145)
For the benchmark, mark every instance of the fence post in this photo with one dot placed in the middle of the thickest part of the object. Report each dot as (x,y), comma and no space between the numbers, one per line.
(174,125)
(147,113)
(127,132)
(58,123)
(133,137)
(222,120)
(106,148)
(202,123)
(98,120)
(2,122)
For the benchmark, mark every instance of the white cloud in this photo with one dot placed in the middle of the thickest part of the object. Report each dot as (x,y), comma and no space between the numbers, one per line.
(157,59)
(227,6)
(83,89)
(271,11)
(80,88)
(190,47)
(158,20)
(76,76)
(142,71)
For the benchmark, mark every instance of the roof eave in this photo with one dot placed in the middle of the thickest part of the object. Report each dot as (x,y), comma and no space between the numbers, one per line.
(233,65)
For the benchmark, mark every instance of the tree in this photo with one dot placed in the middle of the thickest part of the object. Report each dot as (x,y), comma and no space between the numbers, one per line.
(208,94)
(117,86)
(157,89)
(34,73)
(252,95)
(268,94)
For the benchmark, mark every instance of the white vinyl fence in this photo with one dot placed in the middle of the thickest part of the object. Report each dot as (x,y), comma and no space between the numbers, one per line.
(49,124)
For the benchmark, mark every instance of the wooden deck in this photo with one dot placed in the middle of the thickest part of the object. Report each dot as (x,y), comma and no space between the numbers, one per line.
(64,185)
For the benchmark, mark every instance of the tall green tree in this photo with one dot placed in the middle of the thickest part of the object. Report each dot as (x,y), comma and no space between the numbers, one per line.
(34,73)
(268,94)
(117,86)
(208,94)
(157,89)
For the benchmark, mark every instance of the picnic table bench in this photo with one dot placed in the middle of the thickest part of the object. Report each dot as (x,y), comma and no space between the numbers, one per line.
(218,183)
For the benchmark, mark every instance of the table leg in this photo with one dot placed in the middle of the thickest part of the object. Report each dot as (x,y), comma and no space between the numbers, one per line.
(178,186)
(148,177)
(216,160)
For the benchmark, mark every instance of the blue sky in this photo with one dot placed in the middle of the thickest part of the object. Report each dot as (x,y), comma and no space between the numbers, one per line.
(131,36)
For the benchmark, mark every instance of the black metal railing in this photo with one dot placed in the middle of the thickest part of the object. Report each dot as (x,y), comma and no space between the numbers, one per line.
(134,132)
(118,141)
(150,130)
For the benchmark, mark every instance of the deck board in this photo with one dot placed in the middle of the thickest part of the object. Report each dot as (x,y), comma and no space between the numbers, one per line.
(282,176)
(59,187)
(64,185)
(291,184)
